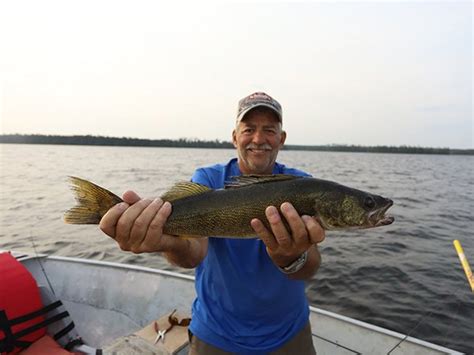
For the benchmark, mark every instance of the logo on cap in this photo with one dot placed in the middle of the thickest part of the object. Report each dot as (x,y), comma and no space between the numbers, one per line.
(255,100)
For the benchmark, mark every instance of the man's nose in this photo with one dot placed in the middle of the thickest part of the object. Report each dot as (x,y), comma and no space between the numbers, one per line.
(258,137)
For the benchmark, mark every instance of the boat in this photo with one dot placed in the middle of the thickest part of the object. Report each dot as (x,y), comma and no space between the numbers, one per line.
(109,302)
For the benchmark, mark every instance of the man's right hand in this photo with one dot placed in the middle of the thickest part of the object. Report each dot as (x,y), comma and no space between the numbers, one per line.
(137,224)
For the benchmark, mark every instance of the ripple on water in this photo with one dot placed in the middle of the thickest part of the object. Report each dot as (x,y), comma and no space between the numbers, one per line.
(388,276)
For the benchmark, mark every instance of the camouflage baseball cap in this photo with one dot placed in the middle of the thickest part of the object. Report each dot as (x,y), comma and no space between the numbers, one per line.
(255,100)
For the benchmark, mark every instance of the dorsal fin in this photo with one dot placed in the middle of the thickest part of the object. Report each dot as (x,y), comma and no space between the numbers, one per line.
(245,180)
(184,189)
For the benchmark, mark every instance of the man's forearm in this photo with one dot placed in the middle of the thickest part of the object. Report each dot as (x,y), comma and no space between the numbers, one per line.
(188,253)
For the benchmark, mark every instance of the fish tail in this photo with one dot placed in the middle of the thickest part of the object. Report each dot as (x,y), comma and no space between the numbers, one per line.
(93,202)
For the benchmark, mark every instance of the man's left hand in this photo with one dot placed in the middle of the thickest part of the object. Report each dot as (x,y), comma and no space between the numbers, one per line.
(285,246)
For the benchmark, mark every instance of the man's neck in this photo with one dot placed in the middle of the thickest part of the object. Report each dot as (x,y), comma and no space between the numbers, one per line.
(244,171)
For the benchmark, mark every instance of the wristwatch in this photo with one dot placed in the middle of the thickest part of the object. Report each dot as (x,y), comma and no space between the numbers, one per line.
(296,265)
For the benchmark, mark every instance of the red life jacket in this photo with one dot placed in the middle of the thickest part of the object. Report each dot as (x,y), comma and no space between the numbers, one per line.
(19,296)
(23,319)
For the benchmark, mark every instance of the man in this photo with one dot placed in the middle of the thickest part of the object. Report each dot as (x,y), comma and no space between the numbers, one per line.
(250,293)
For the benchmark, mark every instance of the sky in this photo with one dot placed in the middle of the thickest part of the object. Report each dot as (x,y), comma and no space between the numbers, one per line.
(345,72)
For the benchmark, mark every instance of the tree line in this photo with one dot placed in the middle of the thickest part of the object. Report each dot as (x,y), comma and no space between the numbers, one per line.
(111,141)
(199,143)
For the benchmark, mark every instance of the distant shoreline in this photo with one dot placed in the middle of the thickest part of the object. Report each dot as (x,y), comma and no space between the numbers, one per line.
(216,144)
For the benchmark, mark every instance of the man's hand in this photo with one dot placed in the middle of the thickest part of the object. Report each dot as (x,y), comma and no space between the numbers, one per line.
(137,224)
(285,246)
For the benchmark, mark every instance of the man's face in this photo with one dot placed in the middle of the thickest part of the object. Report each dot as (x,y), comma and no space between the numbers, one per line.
(258,138)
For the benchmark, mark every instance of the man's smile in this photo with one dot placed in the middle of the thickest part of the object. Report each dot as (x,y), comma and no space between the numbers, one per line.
(258,151)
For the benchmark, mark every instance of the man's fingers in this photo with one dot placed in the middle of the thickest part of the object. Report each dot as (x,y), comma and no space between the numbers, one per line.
(264,234)
(109,220)
(142,224)
(154,232)
(126,222)
(297,226)
(130,197)
(316,232)
(279,230)
(108,223)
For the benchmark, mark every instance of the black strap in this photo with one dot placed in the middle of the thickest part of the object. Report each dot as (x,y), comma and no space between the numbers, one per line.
(12,340)
(6,344)
(35,314)
(40,325)
(64,331)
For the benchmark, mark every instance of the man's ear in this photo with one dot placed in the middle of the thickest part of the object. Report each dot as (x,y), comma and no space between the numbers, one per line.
(234,138)
(283,138)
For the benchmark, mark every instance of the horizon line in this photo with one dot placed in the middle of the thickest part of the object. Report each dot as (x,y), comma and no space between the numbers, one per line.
(13,138)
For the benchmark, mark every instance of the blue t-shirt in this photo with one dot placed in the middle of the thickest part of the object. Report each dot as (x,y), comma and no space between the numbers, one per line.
(244,303)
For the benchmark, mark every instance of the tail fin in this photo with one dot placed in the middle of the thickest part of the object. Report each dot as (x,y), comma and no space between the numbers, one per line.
(92,202)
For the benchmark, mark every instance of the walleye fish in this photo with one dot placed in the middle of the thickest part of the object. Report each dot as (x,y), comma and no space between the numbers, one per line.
(198,211)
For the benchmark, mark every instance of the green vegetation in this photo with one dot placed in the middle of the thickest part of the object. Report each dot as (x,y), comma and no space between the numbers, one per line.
(111,141)
(382,149)
(197,143)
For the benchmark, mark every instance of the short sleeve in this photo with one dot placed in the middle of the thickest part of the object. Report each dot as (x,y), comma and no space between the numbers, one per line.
(200,176)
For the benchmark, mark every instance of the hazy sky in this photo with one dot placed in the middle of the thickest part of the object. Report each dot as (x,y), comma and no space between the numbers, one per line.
(368,73)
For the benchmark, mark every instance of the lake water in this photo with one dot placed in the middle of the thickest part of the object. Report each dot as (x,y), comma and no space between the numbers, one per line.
(405,277)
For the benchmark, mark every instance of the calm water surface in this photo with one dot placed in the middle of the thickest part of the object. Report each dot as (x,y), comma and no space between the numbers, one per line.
(398,277)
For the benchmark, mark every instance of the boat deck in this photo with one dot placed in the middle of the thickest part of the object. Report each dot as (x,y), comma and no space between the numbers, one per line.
(109,300)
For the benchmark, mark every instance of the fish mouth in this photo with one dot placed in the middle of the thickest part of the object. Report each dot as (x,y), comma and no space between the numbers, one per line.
(378,218)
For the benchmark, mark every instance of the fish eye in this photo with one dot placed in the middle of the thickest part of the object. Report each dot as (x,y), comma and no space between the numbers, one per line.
(369,202)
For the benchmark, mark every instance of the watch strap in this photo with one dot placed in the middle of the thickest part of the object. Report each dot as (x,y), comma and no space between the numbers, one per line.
(296,265)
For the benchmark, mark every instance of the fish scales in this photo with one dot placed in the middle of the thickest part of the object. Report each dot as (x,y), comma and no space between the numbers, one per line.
(229,212)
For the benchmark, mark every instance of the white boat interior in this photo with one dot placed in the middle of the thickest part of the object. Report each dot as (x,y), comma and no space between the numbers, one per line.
(110,300)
